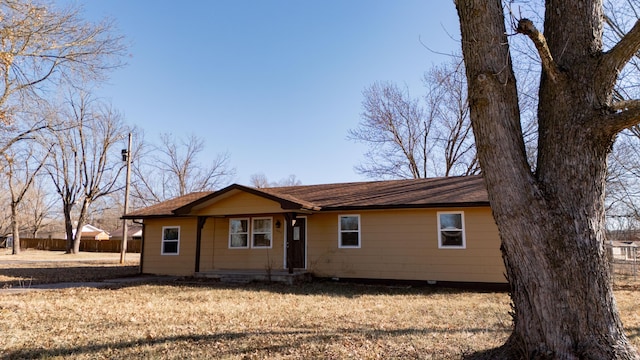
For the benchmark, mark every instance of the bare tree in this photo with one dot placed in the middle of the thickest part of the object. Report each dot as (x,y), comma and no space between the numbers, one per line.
(5,212)
(21,166)
(623,179)
(260,180)
(551,219)
(395,128)
(37,207)
(42,45)
(447,102)
(411,139)
(87,163)
(173,168)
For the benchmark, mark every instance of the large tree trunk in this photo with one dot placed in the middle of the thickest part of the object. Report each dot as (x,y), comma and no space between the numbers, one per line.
(551,222)
(15,229)
(80,225)
(68,228)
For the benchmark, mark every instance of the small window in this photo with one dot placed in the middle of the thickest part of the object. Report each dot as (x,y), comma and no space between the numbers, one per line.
(239,233)
(170,240)
(349,231)
(451,230)
(261,233)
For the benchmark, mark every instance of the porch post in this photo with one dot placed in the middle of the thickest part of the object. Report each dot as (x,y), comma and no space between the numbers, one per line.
(289,218)
(201,221)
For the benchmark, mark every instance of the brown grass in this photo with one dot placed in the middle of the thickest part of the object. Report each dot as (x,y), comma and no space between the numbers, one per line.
(199,320)
(33,267)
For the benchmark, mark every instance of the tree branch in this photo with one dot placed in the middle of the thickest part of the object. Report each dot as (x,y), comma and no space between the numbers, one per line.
(627,114)
(616,58)
(626,105)
(549,66)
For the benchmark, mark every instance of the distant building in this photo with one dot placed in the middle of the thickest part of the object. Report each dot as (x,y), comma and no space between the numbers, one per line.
(134,232)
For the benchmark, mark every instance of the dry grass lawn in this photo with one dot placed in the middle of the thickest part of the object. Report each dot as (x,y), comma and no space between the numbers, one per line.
(320,320)
(33,267)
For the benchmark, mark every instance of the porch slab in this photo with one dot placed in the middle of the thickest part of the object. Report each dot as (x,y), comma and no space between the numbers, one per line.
(244,276)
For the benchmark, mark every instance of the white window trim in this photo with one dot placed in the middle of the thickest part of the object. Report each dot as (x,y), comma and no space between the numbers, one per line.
(249,237)
(254,232)
(163,241)
(340,246)
(464,236)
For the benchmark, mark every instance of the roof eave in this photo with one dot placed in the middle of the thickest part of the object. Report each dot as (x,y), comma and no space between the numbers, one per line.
(408,206)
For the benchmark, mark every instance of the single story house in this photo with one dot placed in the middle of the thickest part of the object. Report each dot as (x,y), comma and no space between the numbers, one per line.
(134,232)
(437,229)
(90,232)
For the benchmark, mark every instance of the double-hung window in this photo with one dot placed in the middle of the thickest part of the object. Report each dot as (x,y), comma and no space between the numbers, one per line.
(239,233)
(349,231)
(170,240)
(245,233)
(261,233)
(451,230)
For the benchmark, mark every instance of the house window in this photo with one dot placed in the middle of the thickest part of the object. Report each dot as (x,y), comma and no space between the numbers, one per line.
(170,240)
(239,233)
(261,233)
(349,231)
(451,230)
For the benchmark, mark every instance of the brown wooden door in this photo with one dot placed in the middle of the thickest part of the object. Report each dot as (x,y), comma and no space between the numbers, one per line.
(298,242)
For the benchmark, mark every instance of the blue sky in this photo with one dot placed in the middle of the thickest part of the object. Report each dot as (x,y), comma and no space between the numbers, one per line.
(276,83)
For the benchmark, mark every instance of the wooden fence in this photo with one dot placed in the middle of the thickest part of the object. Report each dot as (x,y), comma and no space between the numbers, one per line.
(133,246)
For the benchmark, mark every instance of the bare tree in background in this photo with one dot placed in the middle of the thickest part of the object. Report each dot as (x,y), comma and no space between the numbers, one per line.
(37,207)
(260,180)
(446,101)
(21,165)
(395,128)
(623,181)
(87,162)
(552,218)
(174,168)
(42,45)
(411,139)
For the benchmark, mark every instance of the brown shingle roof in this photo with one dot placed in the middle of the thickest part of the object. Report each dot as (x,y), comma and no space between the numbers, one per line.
(444,191)
(166,208)
(414,193)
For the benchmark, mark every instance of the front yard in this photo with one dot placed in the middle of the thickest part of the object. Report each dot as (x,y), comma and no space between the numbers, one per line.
(204,320)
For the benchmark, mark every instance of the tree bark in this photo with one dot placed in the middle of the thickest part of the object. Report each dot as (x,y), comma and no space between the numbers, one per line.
(68,228)
(15,229)
(551,221)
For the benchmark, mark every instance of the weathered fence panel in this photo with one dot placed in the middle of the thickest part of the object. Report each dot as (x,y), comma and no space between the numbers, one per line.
(133,246)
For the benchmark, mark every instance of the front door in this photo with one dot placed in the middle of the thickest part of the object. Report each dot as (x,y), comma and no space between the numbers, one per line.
(298,243)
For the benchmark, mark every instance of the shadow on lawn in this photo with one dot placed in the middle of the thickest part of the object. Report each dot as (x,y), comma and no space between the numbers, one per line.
(26,276)
(200,342)
(351,289)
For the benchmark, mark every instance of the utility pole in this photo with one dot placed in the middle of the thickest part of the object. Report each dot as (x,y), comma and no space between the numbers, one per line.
(126,156)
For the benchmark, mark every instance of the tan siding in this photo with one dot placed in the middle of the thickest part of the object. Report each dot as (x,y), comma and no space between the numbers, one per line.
(216,254)
(206,246)
(181,264)
(241,203)
(403,244)
(395,244)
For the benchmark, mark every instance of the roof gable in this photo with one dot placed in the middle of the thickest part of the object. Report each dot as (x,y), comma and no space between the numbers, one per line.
(166,208)
(236,202)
